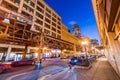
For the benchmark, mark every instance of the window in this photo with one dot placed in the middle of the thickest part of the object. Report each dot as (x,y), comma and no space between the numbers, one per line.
(54,19)
(48,10)
(49,16)
(53,15)
(40,4)
(58,27)
(59,19)
(27,8)
(47,20)
(47,26)
(16,1)
(54,29)
(30,2)
(40,10)
(58,36)
(39,21)
(46,31)
(53,24)
(59,23)
(59,31)
(53,34)
(27,15)
(38,28)
(39,15)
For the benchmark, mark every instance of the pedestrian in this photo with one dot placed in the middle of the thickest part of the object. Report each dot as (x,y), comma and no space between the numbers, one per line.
(70,66)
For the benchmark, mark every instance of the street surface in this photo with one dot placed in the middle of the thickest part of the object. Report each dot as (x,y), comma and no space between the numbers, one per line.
(101,70)
(57,69)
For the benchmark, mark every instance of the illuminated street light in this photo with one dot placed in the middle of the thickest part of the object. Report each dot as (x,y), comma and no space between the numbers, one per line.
(44,48)
(84,42)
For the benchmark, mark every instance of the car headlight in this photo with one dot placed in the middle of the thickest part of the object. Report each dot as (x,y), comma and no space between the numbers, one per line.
(75,60)
(69,60)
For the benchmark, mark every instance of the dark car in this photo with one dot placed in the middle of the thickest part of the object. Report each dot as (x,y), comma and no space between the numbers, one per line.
(73,60)
(80,61)
(4,67)
(23,62)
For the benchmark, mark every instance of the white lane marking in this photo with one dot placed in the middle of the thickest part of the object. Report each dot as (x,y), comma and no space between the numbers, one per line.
(44,77)
(53,76)
(11,77)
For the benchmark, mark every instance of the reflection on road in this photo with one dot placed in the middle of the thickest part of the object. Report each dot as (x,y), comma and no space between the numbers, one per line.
(66,74)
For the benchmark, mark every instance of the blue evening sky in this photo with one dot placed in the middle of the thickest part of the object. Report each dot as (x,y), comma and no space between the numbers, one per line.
(77,11)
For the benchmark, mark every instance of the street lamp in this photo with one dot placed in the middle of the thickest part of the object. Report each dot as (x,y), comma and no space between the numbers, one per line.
(84,44)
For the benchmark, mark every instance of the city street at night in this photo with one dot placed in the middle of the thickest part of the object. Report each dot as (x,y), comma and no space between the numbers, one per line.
(59,39)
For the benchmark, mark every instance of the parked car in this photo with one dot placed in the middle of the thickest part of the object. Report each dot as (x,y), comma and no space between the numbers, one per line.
(73,60)
(4,67)
(23,62)
(80,61)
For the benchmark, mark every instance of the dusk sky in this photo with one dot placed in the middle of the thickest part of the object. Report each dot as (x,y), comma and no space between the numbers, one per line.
(77,11)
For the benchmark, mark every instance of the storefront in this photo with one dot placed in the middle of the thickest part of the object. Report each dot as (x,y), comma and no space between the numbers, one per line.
(51,53)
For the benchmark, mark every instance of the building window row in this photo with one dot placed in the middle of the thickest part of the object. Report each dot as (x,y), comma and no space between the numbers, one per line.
(9,7)
(27,15)
(30,2)
(40,4)
(40,10)
(28,8)
(16,1)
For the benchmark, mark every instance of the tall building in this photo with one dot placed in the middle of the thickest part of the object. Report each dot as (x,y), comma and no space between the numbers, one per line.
(107,13)
(94,42)
(22,22)
(76,30)
(42,16)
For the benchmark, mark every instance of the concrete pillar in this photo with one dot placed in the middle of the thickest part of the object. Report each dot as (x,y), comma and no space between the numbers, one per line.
(40,49)
(8,53)
(25,52)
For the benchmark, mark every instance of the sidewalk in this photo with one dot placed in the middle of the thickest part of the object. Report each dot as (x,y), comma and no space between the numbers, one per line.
(101,70)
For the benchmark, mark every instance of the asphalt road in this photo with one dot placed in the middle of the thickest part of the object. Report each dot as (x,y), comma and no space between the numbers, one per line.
(101,70)
(49,66)
(56,69)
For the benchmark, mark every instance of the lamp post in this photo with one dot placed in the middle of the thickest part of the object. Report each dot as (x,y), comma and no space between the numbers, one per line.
(84,44)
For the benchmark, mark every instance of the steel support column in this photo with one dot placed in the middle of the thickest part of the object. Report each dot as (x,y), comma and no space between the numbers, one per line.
(8,53)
